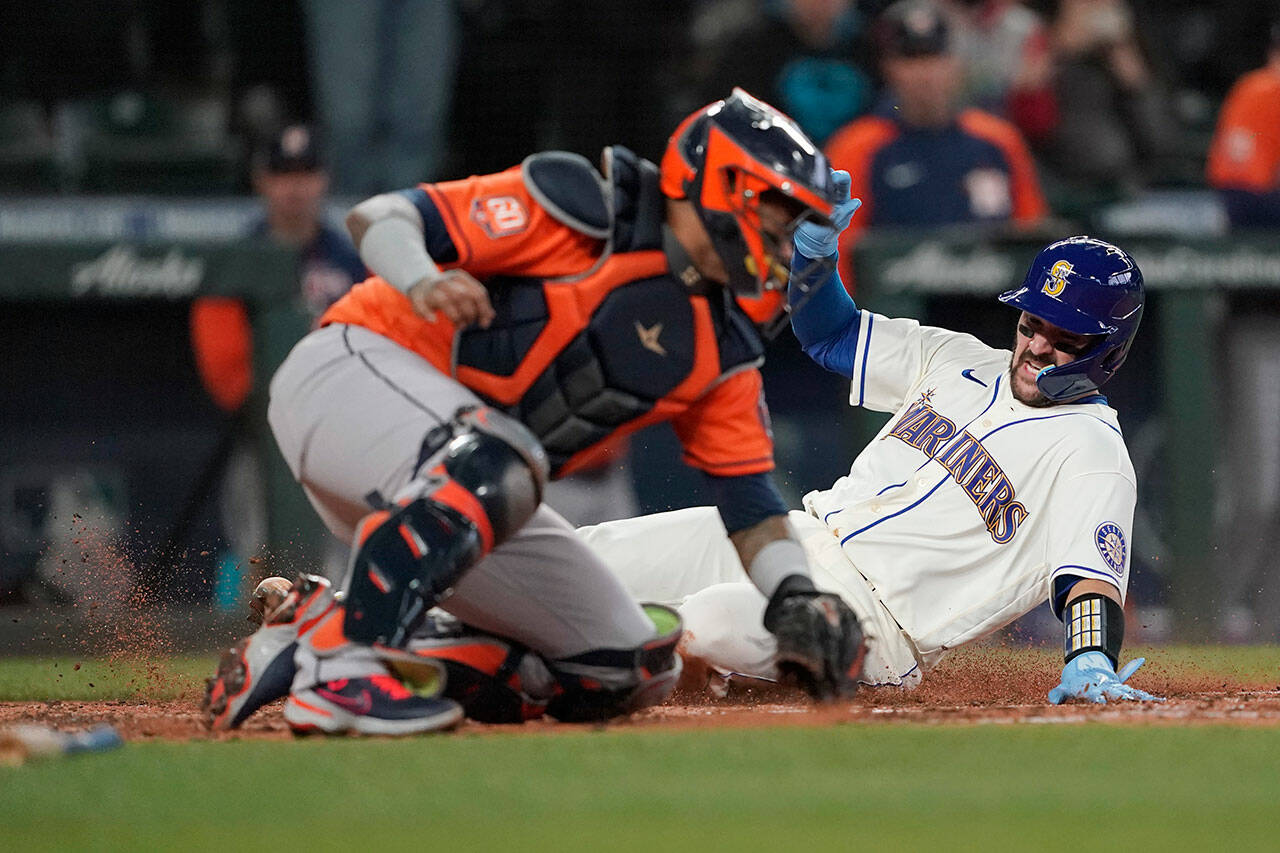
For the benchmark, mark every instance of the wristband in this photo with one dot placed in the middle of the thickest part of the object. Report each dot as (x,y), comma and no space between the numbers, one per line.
(1093,623)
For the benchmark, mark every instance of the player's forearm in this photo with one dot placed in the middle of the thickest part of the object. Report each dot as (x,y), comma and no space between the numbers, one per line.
(770,553)
(1085,586)
(388,232)
(824,317)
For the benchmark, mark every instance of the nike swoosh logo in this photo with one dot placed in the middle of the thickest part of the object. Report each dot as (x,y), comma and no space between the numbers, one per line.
(967,373)
(362,704)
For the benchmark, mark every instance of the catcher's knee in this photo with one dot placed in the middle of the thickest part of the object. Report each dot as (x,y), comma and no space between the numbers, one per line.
(480,478)
(605,683)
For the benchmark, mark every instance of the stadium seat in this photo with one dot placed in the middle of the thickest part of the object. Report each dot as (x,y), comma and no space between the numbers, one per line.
(140,143)
(27,161)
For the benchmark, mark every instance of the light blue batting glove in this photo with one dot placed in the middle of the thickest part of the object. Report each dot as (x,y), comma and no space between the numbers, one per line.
(818,241)
(1091,677)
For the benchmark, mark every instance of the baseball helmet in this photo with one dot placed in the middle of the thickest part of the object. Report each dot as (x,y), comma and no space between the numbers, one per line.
(1089,287)
(724,158)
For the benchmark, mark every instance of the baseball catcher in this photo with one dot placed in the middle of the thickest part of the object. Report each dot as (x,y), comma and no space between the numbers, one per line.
(515,323)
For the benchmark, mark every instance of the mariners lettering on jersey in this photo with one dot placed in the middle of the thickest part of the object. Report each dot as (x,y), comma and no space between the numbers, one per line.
(968,462)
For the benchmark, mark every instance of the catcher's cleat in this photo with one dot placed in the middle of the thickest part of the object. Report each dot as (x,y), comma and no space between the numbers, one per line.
(260,668)
(373,705)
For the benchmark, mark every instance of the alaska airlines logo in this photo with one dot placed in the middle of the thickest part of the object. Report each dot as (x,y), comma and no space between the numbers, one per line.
(1057,280)
(649,337)
(970,465)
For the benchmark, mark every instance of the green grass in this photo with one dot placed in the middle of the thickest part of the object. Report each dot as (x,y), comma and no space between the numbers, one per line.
(967,787)
(37,679)
(843,788)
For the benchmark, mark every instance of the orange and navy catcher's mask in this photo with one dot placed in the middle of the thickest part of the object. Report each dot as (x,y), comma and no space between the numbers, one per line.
(728,157)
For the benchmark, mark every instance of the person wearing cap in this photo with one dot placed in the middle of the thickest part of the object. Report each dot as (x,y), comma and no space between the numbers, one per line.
(920,158)
(292,180)
(290,177)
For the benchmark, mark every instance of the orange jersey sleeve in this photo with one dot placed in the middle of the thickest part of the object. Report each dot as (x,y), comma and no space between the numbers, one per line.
(726,432)
(499,229)
(853,148)
(222,343)
(1024,186)
(1245,152)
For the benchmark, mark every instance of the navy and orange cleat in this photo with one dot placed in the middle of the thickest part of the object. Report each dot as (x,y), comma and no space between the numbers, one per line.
(371,705)
(260,668)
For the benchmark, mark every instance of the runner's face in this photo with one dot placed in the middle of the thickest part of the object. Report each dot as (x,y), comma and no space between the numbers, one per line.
(1037,345)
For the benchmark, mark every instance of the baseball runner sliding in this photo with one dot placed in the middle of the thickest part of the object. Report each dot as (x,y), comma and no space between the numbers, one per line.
(1001,481)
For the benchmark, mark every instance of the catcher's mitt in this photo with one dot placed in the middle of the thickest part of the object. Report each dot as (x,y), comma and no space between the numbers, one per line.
(820,645)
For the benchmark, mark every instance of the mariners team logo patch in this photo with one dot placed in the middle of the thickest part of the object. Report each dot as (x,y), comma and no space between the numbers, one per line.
(1110,541)
(500,215)
(1057,280)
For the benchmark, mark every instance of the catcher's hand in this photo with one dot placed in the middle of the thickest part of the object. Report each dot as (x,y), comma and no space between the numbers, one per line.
(820,646)
(457,295)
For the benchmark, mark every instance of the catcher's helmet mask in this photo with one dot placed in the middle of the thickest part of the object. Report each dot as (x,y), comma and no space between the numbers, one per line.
(1088,287)
(730,158)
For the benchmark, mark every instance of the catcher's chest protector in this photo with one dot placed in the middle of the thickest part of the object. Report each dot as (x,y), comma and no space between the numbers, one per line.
(622,346)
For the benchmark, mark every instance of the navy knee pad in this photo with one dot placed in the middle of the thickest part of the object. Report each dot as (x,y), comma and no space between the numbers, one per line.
(480,479)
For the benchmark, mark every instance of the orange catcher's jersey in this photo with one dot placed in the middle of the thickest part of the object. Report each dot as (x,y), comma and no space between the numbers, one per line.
(594,336)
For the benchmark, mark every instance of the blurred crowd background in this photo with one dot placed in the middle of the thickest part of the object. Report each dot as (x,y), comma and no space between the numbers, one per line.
(261,121)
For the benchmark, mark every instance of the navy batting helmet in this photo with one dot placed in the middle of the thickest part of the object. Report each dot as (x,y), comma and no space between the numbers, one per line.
(723,159)
(1088,287)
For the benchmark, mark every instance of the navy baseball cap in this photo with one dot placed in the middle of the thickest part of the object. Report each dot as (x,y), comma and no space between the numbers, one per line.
(914,28)
(293,149)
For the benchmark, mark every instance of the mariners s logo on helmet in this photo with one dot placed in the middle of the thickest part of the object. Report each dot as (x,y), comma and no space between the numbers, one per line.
(1056,281)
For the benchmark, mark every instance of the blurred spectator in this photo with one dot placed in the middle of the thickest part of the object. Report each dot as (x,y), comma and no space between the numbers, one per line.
(1244,166)
(1008,64)
(921,159)
(382,74)
(1114,120)
(803,56)
(1244,158)
(292,182)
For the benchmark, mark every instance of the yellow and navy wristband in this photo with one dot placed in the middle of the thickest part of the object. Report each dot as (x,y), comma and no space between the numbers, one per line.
(1093,623)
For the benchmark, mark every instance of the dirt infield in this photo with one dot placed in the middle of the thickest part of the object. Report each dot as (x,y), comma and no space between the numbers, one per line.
(978,686)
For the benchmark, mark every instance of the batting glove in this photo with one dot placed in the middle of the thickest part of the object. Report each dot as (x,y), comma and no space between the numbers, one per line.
(1091,677)
(818,241)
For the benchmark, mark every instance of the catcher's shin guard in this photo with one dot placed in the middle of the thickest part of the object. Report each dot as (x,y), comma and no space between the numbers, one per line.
(261,667)
(605,683)
(496,680)
(480,479)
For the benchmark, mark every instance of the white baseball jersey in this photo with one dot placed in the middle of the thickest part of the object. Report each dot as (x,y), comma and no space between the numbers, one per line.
(968,504)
